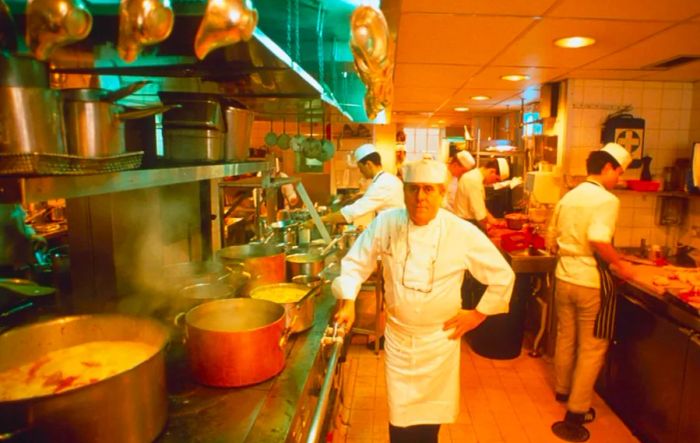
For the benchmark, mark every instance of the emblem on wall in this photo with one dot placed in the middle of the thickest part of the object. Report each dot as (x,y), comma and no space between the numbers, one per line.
(627,131)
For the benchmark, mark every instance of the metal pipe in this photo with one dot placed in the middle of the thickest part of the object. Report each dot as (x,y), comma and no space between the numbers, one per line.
(324,393)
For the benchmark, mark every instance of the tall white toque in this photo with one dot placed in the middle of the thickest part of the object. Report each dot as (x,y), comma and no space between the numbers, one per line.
(425,171)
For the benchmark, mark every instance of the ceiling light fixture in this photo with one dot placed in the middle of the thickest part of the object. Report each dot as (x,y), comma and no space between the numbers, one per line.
(481,97)
(574,42)
(515,77)
(461,109)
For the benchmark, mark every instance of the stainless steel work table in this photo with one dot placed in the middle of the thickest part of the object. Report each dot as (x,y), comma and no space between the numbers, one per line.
(258,413)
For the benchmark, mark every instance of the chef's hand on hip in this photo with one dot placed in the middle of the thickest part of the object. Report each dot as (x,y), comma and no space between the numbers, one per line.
(463,322)
(346,314)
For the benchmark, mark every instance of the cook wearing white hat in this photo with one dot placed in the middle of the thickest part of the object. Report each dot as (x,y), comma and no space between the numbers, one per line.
(460,162)
(424,252)
(466,160)
(470,198)
(584,220)
(384,192)
(363,151)
(619,153)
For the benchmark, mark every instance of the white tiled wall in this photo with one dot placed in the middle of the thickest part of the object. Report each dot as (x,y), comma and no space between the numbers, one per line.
(672,122)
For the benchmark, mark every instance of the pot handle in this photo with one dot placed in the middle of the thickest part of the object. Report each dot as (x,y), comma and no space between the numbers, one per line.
(113,96)
(287,332)
(145,112)
(313,290)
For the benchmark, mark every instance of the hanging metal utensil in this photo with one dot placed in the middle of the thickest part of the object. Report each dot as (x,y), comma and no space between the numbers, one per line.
(296,142)
(271,137)
(283,139)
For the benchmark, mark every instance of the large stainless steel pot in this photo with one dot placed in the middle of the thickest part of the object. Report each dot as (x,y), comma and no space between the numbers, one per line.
(235,342)
(304,264)
(299,314)
(264,263)
(30,117)
(95,124)
(127,407)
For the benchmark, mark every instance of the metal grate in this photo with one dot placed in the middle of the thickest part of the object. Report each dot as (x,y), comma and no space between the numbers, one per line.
(34,164)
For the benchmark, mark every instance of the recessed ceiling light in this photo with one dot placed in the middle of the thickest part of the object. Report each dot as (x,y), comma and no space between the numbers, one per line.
(461,109)
(481,97)
(574,42)
(441,121)
(515,77)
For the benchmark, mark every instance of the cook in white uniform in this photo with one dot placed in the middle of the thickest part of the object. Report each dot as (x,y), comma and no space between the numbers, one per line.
(583,225)
(470,199)
(385,191)
(458,164)
(424,251)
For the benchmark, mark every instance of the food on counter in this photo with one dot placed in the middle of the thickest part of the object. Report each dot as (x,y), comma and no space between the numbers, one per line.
(72,367)
(281,294)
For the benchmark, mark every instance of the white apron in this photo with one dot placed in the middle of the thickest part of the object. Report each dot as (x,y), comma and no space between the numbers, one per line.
(422,364)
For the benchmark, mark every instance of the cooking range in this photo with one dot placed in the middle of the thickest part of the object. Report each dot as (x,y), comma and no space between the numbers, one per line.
(295,406)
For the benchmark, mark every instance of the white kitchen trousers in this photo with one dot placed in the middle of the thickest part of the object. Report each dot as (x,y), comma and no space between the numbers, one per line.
(579,355)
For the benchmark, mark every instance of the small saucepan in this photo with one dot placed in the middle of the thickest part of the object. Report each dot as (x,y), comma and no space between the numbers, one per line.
(298,304)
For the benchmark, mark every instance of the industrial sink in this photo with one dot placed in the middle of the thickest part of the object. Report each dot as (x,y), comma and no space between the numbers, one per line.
(525,262)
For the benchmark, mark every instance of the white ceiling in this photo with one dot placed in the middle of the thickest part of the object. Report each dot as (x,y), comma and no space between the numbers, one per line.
(451,50)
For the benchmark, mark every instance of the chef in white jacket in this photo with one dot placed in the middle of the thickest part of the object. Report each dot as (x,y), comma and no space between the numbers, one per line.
(461,162)
(385,191)
(424,251)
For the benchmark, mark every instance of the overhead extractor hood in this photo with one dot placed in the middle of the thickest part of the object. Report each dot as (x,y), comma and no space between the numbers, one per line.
(297,62)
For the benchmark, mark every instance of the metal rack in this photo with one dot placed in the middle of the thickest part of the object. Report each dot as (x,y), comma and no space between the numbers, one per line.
(268,182)
(33,189)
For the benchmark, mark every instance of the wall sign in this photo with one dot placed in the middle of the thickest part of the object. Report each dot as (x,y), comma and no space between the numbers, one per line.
(628,132)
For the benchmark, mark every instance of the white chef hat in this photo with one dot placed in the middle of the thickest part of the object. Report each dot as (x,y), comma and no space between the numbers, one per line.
(503,168)
(466,159)
(619,153)
(363,151)
(424,171)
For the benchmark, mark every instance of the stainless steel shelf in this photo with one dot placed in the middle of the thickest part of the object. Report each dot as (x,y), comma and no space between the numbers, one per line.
(34,189)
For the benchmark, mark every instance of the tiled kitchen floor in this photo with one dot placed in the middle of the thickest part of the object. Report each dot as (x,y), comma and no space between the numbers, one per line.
(507,401)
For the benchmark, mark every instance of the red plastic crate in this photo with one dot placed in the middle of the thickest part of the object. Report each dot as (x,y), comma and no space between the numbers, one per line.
(643,185)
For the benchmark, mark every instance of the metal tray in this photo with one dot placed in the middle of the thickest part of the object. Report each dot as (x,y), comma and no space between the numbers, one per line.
(35,163)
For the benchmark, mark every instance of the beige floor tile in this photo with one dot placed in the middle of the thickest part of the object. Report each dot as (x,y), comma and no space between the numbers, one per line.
(504,401)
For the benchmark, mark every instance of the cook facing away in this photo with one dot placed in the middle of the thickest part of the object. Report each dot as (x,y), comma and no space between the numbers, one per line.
(424,251)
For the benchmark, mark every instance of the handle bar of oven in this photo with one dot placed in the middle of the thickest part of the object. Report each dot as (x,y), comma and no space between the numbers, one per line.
(338,352)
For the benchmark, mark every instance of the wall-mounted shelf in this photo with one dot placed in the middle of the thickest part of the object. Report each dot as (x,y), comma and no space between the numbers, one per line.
(34,189)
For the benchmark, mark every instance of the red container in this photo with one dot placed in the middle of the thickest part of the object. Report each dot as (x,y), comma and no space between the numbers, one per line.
(235,342)
(643,185)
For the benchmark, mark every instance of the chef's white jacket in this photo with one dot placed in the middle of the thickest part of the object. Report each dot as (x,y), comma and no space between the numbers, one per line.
(470,199)
(449,201)
(385,192)
(586,213)
(423,269)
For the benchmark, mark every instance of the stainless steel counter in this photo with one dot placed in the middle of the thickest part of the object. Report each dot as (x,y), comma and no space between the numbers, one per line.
(260,413)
